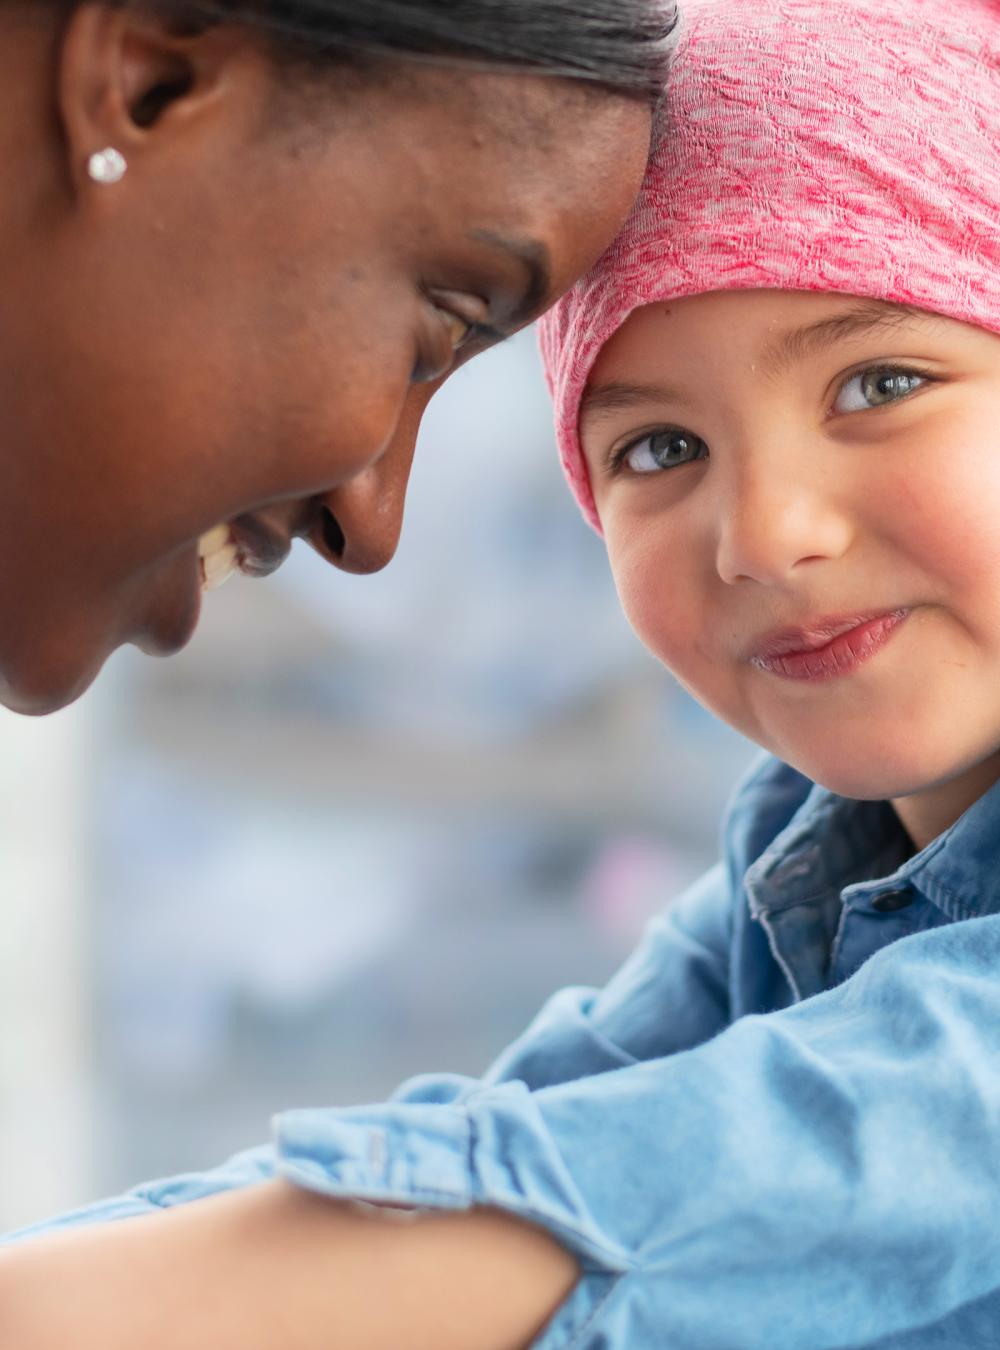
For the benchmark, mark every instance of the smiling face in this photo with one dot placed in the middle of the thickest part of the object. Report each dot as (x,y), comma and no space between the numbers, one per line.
(247,326)
(801,500)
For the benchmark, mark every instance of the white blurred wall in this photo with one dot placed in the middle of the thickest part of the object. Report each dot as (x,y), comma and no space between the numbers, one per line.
(46,1137)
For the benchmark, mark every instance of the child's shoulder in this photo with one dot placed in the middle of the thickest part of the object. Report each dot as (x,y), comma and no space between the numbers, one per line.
(761,805)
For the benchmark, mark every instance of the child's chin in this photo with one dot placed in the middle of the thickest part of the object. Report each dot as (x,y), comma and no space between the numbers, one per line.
(875,778)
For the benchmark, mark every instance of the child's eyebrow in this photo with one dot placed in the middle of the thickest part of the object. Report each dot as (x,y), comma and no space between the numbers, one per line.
(618,395)
(796,344)
(781,353)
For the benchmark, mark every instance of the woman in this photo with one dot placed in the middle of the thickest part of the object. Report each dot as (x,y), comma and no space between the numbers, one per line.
(242,242)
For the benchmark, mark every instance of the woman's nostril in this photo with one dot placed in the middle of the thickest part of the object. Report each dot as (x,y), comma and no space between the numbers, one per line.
(333,535)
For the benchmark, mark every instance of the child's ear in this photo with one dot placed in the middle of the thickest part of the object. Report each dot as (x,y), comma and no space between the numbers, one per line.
(131,79)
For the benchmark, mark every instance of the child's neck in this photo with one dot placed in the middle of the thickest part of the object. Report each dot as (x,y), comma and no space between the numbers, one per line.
(928,813)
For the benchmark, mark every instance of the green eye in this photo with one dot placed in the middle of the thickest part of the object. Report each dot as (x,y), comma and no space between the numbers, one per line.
(886,386)
(876,388)
(664,449)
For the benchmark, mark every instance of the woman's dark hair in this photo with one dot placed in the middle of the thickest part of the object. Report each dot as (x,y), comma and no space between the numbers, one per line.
(621,45)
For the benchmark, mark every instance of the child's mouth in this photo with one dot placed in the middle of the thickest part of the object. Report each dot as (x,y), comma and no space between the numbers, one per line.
(828,647)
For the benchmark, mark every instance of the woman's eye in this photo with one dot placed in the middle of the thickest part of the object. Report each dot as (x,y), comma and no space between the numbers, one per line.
(877,387)
(459,329)
(662,450)
(443,339)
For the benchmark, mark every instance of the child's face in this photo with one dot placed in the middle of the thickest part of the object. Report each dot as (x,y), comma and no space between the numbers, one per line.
(801,500)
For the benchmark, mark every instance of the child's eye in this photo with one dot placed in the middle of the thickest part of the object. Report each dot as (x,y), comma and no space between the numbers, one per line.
(659,450)
(876,387)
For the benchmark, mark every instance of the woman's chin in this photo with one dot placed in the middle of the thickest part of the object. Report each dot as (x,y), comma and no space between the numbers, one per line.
(56,660)
(38,693)
(61,653)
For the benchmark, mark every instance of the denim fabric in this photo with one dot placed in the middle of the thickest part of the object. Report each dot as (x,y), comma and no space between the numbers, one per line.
(776,1128)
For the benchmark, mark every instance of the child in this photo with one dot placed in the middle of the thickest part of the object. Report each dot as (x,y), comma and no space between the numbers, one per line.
(778,397)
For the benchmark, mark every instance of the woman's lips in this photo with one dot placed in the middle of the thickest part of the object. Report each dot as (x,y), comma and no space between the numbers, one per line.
(826,648)
(245,545)
(171,607)
(260,547)
(172,604)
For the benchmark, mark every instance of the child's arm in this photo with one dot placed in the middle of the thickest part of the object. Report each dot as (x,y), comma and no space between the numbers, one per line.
(275,1268)
(822,1176)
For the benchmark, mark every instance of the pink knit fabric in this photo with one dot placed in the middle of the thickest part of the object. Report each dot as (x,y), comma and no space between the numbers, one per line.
(811,145)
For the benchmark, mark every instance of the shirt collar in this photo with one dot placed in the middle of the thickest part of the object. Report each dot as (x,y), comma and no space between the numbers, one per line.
(959,871)
(833,842)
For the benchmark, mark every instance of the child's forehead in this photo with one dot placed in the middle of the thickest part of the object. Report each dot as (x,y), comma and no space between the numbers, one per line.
(774,169)
(733,345)
(779,327)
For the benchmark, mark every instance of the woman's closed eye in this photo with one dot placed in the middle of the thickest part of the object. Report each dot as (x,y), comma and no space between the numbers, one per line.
(878,387)
(664,448)
(459,329)
(458,322)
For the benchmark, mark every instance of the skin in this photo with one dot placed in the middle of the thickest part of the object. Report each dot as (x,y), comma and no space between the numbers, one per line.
(794,497)
(274,1268)
(247,329)
(250,323)
(790,496)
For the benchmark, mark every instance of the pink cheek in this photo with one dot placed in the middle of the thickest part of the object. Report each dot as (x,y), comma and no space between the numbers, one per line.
(658,592)
(947,520)
(658,612)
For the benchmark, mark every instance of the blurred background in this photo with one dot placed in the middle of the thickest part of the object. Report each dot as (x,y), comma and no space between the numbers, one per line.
(360,829)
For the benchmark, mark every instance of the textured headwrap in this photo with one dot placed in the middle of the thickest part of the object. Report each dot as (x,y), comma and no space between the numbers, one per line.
(810,145)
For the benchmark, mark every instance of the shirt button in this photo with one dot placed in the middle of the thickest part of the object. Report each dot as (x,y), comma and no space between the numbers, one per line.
(889,901)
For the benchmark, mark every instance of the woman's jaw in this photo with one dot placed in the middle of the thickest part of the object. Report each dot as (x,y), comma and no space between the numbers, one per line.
(240,336)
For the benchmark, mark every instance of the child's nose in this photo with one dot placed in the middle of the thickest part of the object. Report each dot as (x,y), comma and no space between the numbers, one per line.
(774,521)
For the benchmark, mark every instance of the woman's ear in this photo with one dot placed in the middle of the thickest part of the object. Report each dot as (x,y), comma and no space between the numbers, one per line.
(130,80)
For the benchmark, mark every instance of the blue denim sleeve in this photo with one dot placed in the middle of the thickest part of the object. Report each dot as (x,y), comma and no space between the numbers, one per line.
(821,1176)
(243,1169)
(669,995)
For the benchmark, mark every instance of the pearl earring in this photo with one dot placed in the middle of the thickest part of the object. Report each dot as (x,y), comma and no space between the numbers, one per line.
(107,166)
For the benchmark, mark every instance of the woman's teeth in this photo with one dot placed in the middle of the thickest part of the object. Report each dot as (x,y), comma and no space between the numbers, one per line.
(218,556)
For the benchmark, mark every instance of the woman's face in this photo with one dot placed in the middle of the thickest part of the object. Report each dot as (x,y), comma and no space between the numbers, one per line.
(246,328)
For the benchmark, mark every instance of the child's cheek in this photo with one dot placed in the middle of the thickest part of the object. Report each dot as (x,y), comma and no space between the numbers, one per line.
(637,566)
(659,596)
(943,511)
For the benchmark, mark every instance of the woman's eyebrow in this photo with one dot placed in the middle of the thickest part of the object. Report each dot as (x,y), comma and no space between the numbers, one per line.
(796,344)
(534,257)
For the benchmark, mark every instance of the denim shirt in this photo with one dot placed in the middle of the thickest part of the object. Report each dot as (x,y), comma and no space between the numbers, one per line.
(777,1127)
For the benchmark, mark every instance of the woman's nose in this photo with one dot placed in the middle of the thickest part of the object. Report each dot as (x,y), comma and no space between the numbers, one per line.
(773,522)
(357,525)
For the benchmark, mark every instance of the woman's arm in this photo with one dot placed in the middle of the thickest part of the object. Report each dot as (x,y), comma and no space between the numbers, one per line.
(276,1268)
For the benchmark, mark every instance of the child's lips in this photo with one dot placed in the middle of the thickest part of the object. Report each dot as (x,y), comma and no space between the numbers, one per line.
(826,647)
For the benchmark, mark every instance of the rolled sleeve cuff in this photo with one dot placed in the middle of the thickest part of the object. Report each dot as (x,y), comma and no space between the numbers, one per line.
(454,1158)
(493,1149)
(410,1155)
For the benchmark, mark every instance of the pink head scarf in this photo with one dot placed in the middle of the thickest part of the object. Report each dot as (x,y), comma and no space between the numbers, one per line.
(810,145)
